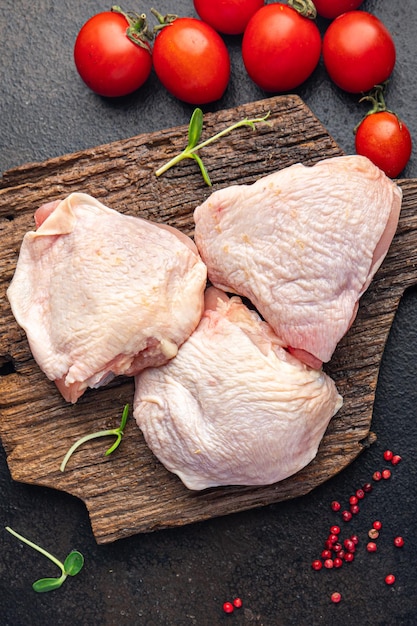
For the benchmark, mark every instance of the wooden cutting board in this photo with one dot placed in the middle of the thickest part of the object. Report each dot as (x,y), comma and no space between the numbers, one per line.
(130,491)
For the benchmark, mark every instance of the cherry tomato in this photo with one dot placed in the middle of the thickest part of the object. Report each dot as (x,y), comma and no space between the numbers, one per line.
(333,8)
(358,51)
(227,16)
(108,61)
(280,47)
(191,61)
(385,140)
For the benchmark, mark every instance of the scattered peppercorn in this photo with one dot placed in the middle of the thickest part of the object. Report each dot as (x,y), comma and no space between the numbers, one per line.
(237,602)
(377,476)
(336,506)
(395,459)
(228,607)
(386,473)
(373,533)
(388,455)
(390,579)
(377,525)
(336,597)
(398,542)
(371,546)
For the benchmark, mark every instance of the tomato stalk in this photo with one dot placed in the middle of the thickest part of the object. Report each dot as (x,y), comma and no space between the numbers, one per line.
(306,8)
(163,20)
(376,97)
(137,30)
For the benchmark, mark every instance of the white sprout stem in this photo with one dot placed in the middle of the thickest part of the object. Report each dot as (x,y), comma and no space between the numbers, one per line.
(38,549)
(79,442)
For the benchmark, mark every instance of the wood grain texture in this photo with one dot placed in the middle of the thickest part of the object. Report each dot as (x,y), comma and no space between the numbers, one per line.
(130,491)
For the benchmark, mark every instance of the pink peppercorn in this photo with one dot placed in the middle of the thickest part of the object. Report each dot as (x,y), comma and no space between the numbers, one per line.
(328,563)
(237,602)
(228,607)
(336,597)
(395,459)
(349,545)
(371,546)
(377,524)
(377,476)
(317,565)
(386,473)
(337,562)
(346,516)
(336,506)
(398,542)
(360,494)
(388,455)
(390,579)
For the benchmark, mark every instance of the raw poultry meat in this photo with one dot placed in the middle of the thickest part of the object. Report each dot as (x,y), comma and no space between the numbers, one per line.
(302,244)
(101,294)
(233,407)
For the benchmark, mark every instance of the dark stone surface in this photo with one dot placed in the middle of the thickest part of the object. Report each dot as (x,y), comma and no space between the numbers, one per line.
(183,576)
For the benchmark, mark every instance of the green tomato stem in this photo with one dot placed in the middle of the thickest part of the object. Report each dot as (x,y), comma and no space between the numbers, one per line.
(306,8)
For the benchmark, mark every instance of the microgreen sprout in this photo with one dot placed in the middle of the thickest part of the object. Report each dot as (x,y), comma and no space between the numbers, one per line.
(194,133)
(72,565)
(116,432)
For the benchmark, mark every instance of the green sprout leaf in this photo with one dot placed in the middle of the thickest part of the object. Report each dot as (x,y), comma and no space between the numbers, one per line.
(72,565)
(194,133)
(74,562)
(116,432)
(195,128)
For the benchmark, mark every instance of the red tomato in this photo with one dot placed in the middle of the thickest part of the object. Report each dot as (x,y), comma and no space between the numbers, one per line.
(385,140)
(108,61)
(227,16)
(358,51)
(191,61)
(280,47)
(333,8)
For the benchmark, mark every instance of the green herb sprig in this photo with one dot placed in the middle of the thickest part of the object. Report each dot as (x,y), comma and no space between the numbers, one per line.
(116,432)
(194,133)
(72,565)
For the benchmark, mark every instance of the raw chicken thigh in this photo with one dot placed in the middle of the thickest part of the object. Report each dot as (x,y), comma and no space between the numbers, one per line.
(101,294)
(233,407)
(302,245)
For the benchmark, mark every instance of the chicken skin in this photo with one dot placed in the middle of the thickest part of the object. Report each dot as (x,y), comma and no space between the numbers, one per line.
(233,407)
(100,294)
(302,244)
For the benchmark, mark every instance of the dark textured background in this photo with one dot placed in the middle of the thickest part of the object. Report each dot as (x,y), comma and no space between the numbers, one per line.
(182,576)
